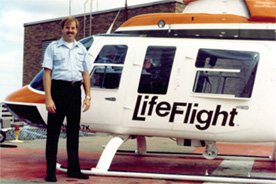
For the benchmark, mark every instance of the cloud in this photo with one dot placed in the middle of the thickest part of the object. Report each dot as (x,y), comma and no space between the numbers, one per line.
(13,15)
(11,33)
(36,6)
(11,69)
(11,64)
(14,58)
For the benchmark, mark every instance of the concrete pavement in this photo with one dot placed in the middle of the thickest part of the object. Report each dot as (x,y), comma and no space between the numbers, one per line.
(26,163)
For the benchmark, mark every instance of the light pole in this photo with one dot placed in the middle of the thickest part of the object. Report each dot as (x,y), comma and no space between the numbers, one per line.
(126,14)
(69,7)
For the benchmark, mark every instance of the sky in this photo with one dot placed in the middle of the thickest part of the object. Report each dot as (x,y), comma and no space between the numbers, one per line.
(13,15)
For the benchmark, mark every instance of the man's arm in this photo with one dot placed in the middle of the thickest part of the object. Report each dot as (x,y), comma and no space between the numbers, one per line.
(86,86)
(47,82)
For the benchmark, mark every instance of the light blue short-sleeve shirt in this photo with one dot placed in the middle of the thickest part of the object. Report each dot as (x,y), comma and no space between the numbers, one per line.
(66,63)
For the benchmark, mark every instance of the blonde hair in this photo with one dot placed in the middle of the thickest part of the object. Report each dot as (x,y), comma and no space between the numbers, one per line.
(69,19)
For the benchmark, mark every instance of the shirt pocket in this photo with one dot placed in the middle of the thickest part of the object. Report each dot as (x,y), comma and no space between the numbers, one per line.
(59,60)
(79,61)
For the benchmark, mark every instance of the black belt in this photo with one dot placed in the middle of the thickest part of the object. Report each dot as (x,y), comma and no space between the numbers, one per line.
(71,83)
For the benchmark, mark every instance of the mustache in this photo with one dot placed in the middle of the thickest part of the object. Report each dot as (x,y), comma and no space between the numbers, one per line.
(70,32)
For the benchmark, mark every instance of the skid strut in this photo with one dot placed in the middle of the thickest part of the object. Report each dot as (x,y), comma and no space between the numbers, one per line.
(111,148)
(109,153)
(274,153)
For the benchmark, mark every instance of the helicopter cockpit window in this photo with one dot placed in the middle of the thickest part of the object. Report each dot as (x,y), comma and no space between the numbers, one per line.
(108,67)
(87,42)
(114,54)
(37,82)
(226,72)
(156,70)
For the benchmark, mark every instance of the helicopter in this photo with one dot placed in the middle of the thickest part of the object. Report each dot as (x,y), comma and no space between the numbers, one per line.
(203,76)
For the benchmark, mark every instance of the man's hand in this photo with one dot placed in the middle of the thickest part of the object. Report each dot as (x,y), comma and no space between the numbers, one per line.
(50,106)
(86,104)
(86,87)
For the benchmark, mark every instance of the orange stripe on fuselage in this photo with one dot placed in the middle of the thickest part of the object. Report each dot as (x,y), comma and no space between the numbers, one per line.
(25,95)
(264,11)
(188,1)
(179,18)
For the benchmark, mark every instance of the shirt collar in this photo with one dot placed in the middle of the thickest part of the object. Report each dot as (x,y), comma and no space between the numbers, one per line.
(62,42)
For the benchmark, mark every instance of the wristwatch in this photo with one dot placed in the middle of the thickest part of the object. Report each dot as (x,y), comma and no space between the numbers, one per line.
(88,97)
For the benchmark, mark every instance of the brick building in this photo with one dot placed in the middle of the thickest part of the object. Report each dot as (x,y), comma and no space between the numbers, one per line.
(39,34)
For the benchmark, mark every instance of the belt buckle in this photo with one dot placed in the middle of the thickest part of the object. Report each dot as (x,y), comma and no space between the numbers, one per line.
(73,83)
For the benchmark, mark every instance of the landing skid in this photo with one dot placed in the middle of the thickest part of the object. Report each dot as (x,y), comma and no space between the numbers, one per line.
(111,148)
(196,155)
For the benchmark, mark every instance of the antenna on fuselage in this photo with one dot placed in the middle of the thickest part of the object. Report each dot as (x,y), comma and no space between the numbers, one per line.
(111,26)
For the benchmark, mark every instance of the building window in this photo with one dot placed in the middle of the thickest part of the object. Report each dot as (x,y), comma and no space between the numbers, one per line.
(226,72)
(156,70)
(108,68)
(45,45)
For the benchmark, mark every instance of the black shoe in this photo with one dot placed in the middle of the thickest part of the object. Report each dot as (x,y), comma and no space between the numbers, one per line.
(51,178)
(77,175)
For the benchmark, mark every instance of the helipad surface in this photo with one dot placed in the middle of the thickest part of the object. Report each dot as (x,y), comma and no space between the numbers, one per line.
(26,163)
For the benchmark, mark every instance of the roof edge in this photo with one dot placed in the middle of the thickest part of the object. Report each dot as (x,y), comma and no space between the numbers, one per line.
(104,11)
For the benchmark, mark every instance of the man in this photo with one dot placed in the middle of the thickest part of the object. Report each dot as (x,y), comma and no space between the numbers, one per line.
(65,68)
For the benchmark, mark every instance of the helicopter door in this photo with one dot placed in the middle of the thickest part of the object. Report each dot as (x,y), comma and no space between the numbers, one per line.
(146,103)
(105,80)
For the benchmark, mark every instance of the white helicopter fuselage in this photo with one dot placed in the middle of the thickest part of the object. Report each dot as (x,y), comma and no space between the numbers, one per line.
(247,117)
(193,75)
(181,111)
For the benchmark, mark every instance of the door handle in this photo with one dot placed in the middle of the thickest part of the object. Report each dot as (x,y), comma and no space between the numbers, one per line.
(113,99)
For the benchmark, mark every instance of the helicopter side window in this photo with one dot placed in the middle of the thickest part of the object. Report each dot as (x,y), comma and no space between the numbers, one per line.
(156,70)
(106,77)
(226,72)
(114,54)
(108,68)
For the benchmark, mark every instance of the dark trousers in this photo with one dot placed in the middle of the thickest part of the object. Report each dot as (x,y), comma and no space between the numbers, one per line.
(67,98)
